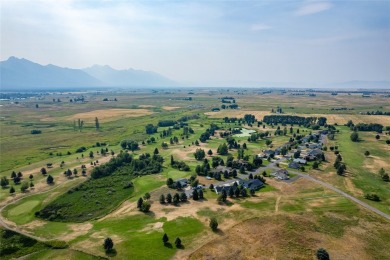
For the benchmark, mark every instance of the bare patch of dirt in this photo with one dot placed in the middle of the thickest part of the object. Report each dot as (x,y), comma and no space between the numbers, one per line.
(169,108)
(34,224)
(351,187)
(153,227)
(281,237)
(146,106)
(374,163)
(77,230)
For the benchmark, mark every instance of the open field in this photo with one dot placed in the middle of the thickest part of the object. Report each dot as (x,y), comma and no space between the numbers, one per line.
(106,115)
(282,220)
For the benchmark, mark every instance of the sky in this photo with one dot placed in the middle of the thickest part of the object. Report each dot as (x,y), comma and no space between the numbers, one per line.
(206,42)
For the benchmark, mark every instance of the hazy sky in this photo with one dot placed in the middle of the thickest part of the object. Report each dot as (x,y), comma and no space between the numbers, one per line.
(206,41)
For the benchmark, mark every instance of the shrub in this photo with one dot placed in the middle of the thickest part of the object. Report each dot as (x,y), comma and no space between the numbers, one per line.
(213,224)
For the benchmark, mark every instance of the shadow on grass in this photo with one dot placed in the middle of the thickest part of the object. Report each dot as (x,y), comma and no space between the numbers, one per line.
(167,244)
(181,247)
(111,252)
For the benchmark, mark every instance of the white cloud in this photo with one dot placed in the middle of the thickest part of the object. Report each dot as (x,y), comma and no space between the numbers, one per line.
(313,8)
(260,27)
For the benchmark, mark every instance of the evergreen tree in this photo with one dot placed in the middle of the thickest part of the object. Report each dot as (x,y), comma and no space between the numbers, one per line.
(162,199)
(322,254)
(201,194)
(178,243)
(165,238)
(139,203)
(156,151)
(108,244)
(12,190)
(49,179)
(169,198)
(213,224)
(4,182)
(195,195)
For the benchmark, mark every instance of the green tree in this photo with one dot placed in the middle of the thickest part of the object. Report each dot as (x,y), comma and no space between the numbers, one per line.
(178,243)
(150,129)
(213,224)
(139,203)
(199,154)
(43,171)
(176,199)
(201,196)
(183,197)
(108,244)
(97,125)
(385,177)
(315,165)
(147,196)
(165,238)
(24,186)
(322,254)
(162,199)
(169,198)
(367,153)
(354,137)
(170,182)
(210,152)
(156,151)
(12,190)
(49,179)
(4,182)
(145,207)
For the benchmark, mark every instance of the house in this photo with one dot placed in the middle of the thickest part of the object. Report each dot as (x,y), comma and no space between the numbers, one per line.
(281,174)
(266,153)
(294,165)
(300,161)
(183,182)
(253,184)
(314,146)
(314,154)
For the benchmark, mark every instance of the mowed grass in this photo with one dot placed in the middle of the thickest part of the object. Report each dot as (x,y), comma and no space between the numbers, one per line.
(140,236)
(363,171)
(61,254)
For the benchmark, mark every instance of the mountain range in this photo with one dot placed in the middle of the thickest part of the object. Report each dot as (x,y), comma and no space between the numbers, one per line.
(18,74)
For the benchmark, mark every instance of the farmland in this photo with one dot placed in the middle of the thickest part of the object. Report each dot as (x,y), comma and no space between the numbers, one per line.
(271,223)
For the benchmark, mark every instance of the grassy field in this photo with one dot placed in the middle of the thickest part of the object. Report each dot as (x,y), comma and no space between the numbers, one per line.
(282,219)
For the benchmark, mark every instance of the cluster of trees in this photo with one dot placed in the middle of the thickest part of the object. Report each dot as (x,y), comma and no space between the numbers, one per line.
(234,191)
(377,113)
(256,136)
(17,177)
(165,123)
(223,149)
(175,199)
(178,242)
(150,129)
(127,165)
(129,144)
(291,120)
(36,132)
(199,154)
(339,165)
(372,196)
(166,132)
(365,127)
(180,165)
(144,204)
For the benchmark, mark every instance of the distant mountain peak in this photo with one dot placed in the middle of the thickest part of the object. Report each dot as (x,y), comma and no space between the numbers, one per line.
(20,73)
